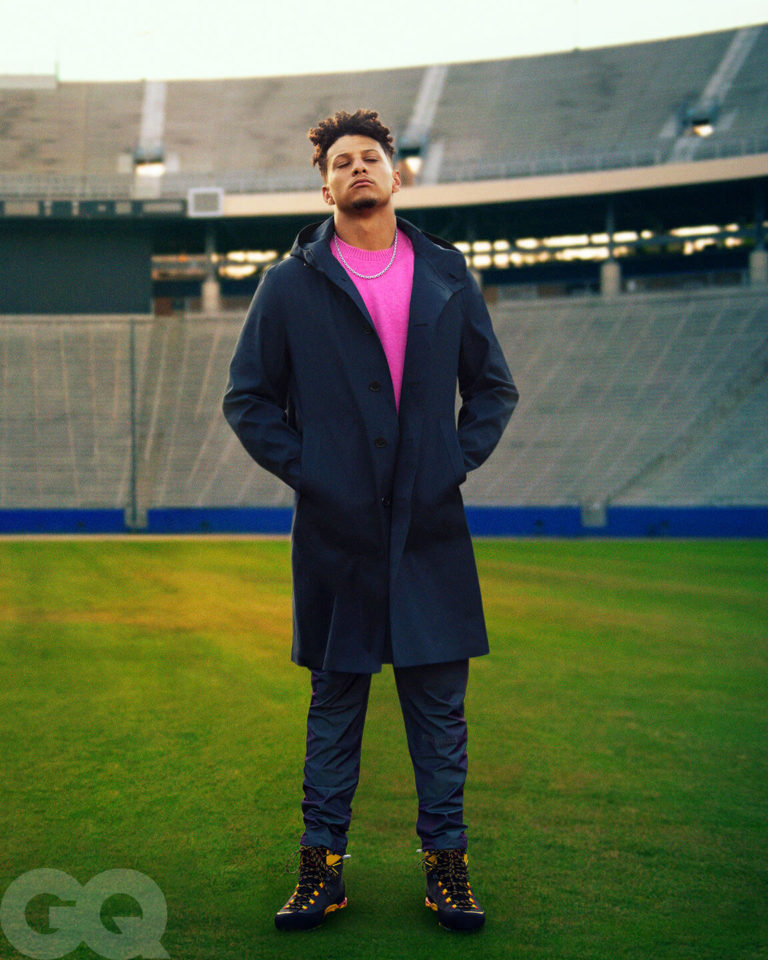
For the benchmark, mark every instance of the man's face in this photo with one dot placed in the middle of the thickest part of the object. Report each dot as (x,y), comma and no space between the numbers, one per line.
(359,174)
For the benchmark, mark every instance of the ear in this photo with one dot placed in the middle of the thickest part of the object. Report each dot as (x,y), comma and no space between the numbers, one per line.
(395,181)
(327,196)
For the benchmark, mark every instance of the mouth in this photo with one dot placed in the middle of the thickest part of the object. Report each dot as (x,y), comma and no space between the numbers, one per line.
(362,182)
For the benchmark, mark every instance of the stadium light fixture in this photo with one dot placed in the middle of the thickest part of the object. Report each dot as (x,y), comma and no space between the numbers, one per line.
(414,164)
(699,120)
(148,161)
(410,158)
(238,271)
(570,254)
(252,256)
(703,128)
(569,240)
(150,169)
(705,230)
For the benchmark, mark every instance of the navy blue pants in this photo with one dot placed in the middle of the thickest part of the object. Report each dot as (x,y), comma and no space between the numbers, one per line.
(432,703)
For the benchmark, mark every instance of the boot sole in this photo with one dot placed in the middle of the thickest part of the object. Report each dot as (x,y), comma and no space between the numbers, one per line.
(466,922)
(306,921)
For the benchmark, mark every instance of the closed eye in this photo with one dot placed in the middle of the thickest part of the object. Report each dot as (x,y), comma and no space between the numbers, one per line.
(373,158)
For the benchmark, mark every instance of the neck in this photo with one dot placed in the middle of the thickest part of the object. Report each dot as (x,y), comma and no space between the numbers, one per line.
(374,232)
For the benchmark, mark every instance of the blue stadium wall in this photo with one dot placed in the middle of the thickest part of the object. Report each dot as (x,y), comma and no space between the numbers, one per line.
(565,521)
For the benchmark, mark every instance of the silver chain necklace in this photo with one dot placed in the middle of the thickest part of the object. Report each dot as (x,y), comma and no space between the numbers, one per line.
(364,276)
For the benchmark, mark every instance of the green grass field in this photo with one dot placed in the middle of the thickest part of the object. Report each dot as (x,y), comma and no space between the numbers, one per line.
(618,791)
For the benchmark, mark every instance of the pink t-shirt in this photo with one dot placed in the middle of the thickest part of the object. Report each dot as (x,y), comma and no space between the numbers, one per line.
(388,297)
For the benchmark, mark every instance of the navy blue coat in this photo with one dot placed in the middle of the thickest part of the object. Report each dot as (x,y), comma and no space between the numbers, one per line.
(383,566)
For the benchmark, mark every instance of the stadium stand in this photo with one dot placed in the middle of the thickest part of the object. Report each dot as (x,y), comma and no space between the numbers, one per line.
(585,109)
(629,399)
(657,398)
(609,386)
(256,129)
(526,115)
(69,140)
(65,438)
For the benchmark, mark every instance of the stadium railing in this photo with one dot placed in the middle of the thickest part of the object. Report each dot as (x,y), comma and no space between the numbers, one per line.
(121,186)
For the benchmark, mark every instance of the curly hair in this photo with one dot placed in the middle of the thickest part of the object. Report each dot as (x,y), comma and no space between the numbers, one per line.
(364,123)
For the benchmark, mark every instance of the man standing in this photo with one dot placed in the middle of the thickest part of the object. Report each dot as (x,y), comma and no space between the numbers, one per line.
(343,384)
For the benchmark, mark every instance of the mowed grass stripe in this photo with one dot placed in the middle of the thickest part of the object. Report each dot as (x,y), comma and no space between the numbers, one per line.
(150,718)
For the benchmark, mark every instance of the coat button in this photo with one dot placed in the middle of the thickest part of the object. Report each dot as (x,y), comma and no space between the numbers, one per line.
(374,386)
(386,501)
(380,442)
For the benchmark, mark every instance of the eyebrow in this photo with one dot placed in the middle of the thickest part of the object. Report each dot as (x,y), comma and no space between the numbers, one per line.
(346,156)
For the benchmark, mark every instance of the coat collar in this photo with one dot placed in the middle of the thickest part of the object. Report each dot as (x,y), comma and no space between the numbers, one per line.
(446,264)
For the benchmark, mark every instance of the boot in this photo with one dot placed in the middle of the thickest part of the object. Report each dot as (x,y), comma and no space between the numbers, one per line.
(448,891)
(320,890)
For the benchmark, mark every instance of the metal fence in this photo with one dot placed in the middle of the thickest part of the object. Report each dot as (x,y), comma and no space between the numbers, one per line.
(175,185)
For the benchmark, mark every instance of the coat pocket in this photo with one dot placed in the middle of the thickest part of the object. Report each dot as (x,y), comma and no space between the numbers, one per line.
(451,439)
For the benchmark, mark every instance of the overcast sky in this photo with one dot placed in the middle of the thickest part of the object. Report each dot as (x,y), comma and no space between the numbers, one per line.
(165,39)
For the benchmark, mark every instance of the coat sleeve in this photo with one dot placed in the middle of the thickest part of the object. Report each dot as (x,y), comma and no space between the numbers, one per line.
(488,393)
(257,396)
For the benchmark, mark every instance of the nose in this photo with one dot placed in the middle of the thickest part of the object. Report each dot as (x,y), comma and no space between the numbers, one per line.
(359,166)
